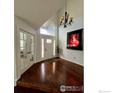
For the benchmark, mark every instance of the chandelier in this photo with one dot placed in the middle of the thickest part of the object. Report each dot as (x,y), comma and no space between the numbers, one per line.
(66,19)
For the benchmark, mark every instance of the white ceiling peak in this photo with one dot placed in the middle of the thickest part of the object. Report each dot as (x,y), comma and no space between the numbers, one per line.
(36,12)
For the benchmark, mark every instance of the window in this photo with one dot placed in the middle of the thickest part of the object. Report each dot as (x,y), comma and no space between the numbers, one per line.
(42,48)
(43,31)
(48,41)
(54,48)
(22,43)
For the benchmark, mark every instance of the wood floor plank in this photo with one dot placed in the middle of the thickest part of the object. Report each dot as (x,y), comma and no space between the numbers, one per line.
(49,75)
(19,89)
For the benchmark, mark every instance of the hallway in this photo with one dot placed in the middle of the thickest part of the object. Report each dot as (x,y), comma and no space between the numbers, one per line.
(48,76)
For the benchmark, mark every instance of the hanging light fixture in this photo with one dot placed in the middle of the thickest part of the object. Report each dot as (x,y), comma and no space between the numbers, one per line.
(66,19)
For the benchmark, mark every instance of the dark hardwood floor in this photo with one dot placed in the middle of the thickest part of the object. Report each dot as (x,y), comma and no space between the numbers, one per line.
(19,89)
(48,76)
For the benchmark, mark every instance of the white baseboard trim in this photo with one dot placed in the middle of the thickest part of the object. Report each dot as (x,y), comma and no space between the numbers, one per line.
(72,61)
(15,80)
(39,60)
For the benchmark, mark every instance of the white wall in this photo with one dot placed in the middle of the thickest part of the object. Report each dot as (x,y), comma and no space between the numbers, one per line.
(75,9)
(19,23)
(51,25)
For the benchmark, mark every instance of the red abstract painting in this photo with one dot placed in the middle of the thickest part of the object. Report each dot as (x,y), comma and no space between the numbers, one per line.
(74,40)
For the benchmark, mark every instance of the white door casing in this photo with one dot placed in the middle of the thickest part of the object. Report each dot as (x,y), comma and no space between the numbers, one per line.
(23,63)
(26,50)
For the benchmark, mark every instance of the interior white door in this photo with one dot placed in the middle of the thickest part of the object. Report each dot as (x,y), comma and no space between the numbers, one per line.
(26,50)
(48,48)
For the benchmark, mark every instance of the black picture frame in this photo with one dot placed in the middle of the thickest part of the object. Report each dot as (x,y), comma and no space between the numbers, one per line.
(80,39)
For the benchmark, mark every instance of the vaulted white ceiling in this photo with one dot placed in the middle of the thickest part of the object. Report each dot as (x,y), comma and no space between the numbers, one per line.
(36,12)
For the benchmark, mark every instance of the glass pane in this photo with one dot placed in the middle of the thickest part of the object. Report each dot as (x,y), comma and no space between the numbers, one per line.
(48,41)
(54,48)
(32,44)
(21,35)
(25,36)
(42,48)
(21,43)
(28,47)
(24,44)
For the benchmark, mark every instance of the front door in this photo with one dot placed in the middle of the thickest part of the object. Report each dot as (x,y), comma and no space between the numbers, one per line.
(47,47)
